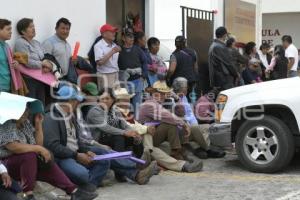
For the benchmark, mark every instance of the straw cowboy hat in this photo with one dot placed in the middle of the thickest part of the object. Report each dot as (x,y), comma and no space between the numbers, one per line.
(161,86)
(122,93)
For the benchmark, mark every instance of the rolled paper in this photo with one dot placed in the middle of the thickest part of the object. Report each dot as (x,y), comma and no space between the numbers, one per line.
(76,50)
(116,155)
(137,160)
(152,123)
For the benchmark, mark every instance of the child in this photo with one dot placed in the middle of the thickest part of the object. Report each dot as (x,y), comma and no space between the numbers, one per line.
(158,69)
(51,65)
(250,74)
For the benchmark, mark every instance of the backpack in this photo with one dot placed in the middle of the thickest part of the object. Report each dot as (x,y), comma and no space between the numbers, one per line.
(91,54)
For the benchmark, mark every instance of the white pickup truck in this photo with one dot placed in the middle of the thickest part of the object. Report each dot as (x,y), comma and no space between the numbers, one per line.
(264,120)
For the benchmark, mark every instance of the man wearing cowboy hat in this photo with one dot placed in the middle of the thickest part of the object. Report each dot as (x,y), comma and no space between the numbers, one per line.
(149,132)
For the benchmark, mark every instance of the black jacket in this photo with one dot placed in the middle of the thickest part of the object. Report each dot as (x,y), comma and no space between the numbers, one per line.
(222,71)
(55,136)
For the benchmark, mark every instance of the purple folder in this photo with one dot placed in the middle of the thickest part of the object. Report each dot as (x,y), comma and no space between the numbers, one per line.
(119,155)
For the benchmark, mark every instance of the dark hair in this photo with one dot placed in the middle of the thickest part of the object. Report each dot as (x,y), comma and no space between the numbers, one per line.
(249,47)
(138,36)
(287,38)
(279,51)
(4,22)
(62,21)
(220,32)
(110,91)
(23,24)
(230,42)
(151,41)
(264,46)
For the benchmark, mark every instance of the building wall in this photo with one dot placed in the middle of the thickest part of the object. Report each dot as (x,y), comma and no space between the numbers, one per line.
(280,6)
(86,17)
(275,25)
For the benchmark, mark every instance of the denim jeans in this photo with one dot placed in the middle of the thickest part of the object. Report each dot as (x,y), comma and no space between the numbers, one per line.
(82,175)
(136,87)
(123,167)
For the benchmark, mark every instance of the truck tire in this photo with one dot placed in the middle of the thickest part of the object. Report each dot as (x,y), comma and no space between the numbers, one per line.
(265,145)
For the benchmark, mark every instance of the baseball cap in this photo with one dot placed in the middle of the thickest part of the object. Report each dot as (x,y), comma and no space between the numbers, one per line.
(91,88)
(108,27)
(69,93)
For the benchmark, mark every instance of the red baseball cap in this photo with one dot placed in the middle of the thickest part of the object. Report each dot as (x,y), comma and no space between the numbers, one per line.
(108,27)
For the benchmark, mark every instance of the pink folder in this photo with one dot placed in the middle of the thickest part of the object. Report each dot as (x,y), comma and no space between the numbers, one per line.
(47,78)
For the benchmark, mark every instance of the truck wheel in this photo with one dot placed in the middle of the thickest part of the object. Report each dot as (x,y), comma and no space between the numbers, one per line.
(265,146)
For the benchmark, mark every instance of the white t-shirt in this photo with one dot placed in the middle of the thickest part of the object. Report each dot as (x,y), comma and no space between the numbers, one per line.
(292,52)
(101,49)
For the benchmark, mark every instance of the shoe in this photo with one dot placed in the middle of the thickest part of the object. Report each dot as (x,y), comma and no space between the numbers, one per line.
(89,188)
(156,170)
(82,195)
(193,167)
(28,197)
(120,178)
(215,153)
(200,153)
(143,176)
(146,157)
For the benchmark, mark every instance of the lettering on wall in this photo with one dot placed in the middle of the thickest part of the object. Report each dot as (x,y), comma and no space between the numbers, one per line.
(268,36)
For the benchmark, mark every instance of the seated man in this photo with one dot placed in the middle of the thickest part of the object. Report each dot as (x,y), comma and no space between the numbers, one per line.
(168,125)
(199,133)
(148,132)
(73,155)
(205,107)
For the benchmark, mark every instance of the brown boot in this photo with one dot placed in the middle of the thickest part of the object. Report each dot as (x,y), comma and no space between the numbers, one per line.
(143,176)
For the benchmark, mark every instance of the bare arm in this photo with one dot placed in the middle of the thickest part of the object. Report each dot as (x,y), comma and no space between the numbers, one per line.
(19,148)
(291,63)
(172,68)
(39,135)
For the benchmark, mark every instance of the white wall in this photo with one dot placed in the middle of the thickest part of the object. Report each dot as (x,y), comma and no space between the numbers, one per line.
(277,6)
(86,18)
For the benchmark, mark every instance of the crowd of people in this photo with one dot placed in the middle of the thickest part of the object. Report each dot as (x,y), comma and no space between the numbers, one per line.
(229,68)
(136,104)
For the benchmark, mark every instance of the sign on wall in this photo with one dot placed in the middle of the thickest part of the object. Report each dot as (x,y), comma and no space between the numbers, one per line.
(240,19)
(276,25)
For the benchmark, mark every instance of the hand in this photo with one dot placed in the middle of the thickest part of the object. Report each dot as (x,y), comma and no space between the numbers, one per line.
(38,118)
(15,64)
(45,153)
(91,154)
(131,134)
(84,159)
(6,180)
(187,130)
(117,49)
(151,130)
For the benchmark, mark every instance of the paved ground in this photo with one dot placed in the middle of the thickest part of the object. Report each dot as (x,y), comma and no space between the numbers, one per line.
(223,179)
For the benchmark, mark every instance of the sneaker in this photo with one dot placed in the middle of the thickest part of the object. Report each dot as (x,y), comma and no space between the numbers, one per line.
(143,176)
(200,153)
(28,197)
(215,153)
(82,195)
(193,167)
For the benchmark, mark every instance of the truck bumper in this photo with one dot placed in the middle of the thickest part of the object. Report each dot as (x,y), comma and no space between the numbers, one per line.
(220,134)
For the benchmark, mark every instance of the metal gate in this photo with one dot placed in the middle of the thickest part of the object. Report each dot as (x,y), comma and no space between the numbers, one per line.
(198,28)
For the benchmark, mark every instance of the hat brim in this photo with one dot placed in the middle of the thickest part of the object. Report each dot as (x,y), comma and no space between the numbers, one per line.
(125,96)
(113,30)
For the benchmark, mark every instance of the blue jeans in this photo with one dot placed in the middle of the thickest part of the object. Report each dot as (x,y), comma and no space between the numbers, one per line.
(82,175)
(122,167)
(136,87)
